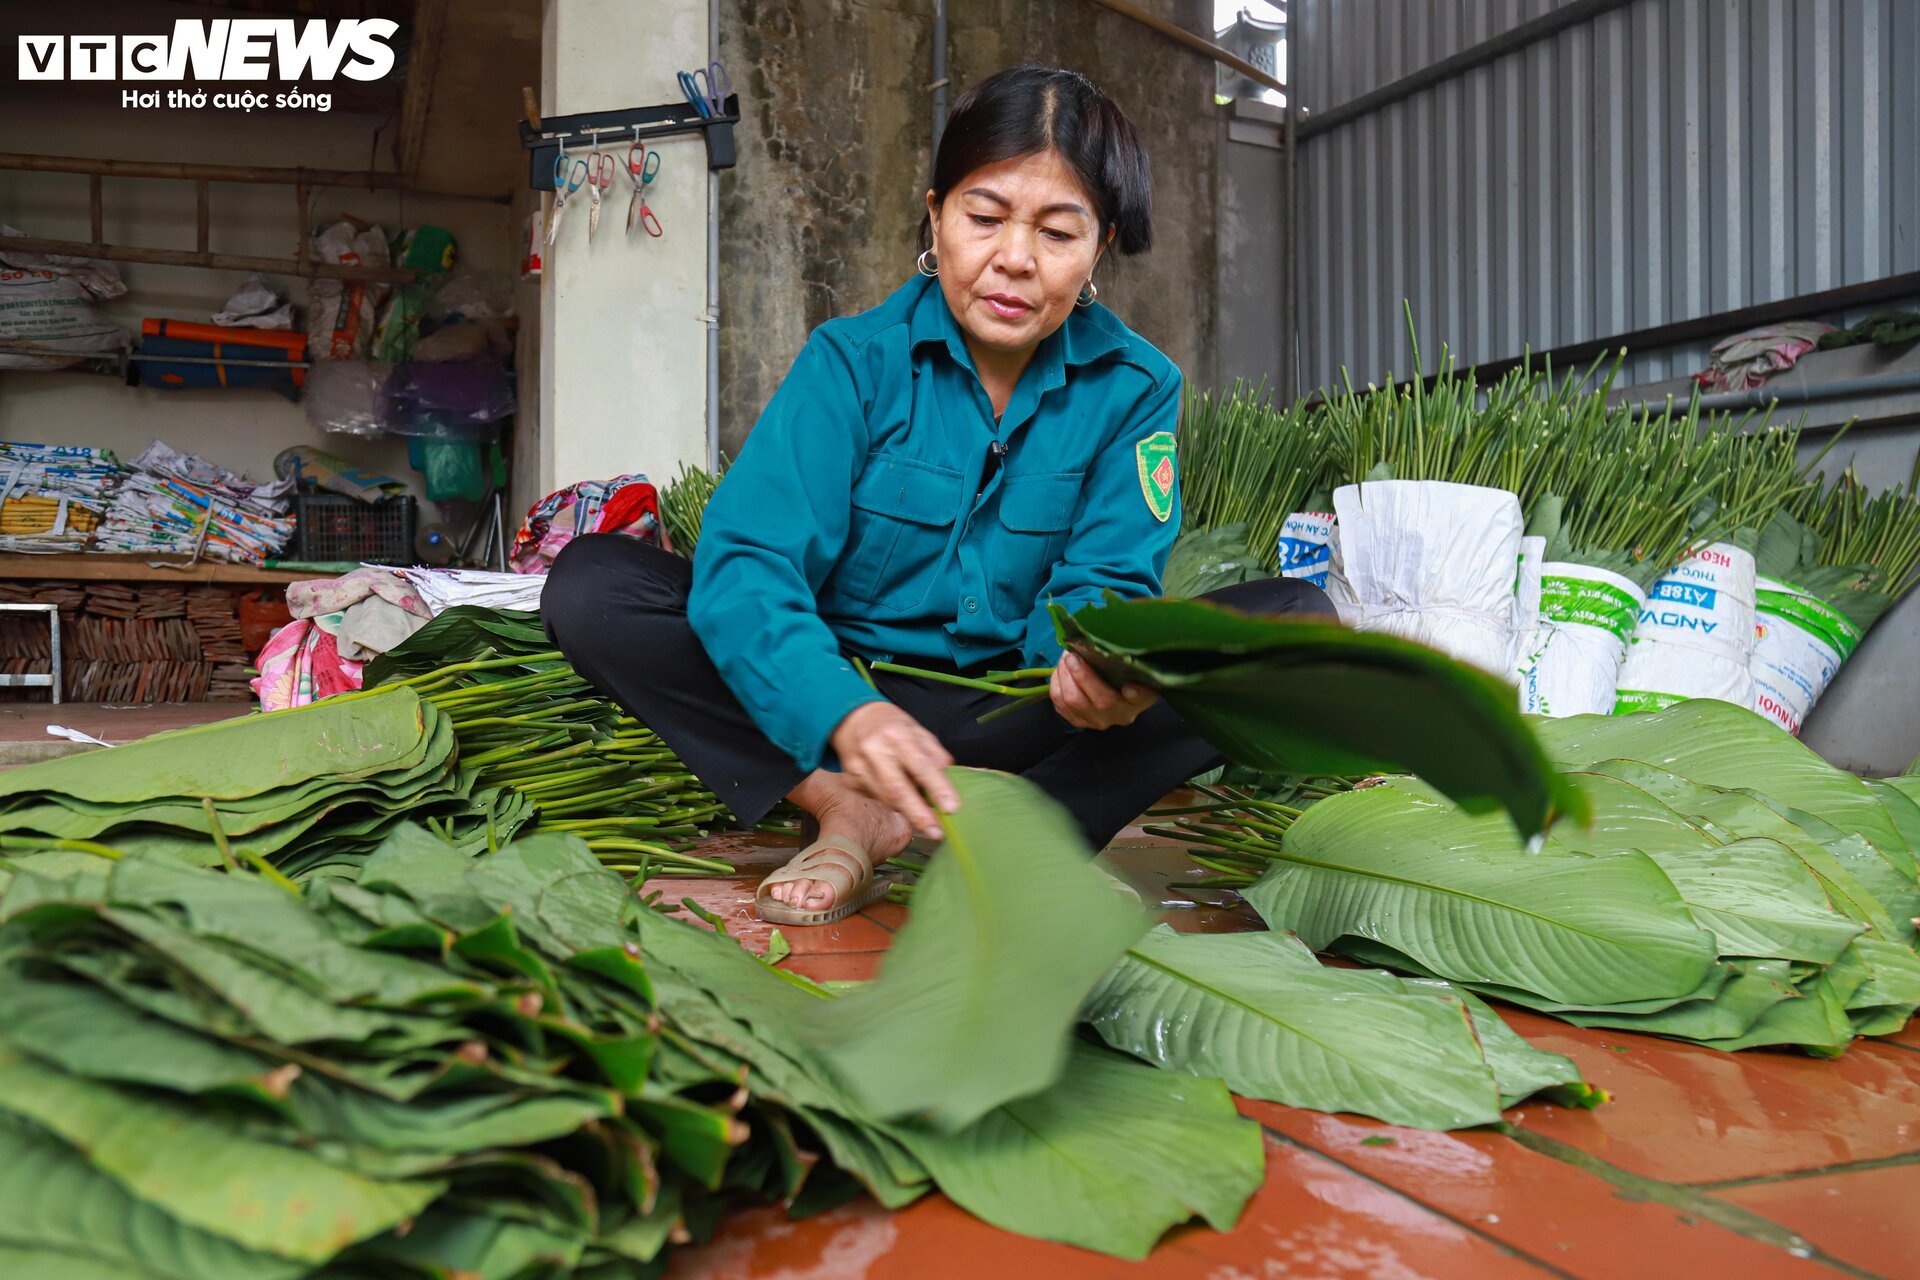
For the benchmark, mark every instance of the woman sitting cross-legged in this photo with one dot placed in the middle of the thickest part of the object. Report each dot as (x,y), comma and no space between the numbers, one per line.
(930,474)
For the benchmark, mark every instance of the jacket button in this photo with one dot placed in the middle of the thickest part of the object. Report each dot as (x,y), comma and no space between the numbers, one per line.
(971,604)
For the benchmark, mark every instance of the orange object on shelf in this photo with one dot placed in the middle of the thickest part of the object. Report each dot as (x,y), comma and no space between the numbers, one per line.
(280,339)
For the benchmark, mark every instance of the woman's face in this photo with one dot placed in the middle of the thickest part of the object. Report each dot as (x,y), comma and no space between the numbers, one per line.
(1016,241)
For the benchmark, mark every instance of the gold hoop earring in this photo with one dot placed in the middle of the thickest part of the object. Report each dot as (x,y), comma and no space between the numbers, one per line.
(1087,295)
(928,263)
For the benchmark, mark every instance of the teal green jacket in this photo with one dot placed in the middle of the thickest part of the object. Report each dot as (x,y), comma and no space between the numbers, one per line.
(878,509)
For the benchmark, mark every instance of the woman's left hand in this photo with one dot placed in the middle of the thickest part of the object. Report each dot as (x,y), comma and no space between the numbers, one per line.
(1086,701)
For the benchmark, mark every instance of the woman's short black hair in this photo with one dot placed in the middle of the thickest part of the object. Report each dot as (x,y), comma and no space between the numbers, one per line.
(1027,110)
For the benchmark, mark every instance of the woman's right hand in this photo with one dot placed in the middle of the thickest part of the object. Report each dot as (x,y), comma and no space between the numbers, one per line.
(887,754)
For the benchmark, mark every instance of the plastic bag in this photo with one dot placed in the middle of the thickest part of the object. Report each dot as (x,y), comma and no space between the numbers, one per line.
(1306,546)
(255,305)
(464,392)
(465,340)
(348,396)
(341,312)
(466,294)
(46,302)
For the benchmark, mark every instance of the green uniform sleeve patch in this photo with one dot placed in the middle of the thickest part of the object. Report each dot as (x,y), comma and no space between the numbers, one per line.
(1154,456)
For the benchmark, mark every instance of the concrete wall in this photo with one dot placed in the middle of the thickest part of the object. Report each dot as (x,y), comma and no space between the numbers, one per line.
(623,337)
(819,220)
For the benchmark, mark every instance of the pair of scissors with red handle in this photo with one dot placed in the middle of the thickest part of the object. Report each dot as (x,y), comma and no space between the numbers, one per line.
(642,165)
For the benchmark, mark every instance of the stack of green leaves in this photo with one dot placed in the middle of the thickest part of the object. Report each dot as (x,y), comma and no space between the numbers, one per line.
(503,1065)
(311,791)
(1246,464)
(528,723)
(1733,889)
(1261,1012)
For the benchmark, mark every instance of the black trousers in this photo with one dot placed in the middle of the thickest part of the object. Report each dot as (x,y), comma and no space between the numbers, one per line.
(617,607)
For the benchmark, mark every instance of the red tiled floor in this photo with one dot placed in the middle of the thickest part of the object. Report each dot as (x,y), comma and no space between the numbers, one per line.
(1534,1203)
(1310,1219)
(1682,1113)
(1425,1205)
(1869,1217)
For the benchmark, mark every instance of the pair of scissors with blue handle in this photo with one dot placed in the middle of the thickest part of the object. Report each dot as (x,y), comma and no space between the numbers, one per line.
(642,165)
(565,182)
(707,89)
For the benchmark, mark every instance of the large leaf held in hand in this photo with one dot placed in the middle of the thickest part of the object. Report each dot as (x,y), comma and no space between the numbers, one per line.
(1465,900)
(1307,696)
(1109,1158)
(1261,1012)
(976,1000)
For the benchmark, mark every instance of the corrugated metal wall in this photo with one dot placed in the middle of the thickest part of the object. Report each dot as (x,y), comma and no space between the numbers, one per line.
(1666,160)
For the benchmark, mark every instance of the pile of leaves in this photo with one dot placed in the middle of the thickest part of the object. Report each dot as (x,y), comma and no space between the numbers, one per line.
(504,1064)
(479,1066)
(1733,889)
(309,792)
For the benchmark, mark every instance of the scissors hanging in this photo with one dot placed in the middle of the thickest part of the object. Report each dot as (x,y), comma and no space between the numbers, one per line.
(608,128)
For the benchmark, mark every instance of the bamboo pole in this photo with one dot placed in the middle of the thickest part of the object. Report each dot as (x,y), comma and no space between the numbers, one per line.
(201,217)
(94,211)
(216,261)
(367,179)
(1180,35)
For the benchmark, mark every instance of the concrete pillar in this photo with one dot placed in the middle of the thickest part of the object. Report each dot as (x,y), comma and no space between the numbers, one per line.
(623,347)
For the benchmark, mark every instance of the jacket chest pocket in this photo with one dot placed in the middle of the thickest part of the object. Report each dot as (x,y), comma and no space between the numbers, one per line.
(1036,515)
(903,514)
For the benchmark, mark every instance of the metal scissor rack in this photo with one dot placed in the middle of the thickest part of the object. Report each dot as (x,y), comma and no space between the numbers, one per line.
(543,137)
(50,681)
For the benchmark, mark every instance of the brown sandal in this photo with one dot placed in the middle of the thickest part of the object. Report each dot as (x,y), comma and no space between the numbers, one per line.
(842,863)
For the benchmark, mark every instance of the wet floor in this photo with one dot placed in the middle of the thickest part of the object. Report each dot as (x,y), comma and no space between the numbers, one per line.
(1754,1165)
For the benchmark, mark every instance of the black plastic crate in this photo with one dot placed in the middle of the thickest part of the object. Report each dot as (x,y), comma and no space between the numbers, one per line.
(334,527)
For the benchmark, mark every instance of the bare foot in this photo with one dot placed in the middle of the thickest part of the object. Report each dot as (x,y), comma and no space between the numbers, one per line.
(842,811)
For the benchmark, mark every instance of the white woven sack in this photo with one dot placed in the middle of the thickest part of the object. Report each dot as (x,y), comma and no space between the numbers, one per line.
(1695,637)
(1799,643)
(1586,617)
(1432,562)
(1524,631)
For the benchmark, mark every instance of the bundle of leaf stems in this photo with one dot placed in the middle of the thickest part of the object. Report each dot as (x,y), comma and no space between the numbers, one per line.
(684,503)
(1515,441)
(1245,462)
(1028,684)
(1241,834)
(1882,531)
(590,770)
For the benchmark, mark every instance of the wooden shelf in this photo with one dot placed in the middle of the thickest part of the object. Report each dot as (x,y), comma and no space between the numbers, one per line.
(105,568)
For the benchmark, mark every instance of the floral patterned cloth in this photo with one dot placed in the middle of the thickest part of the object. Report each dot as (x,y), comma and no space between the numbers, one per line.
(624,504)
